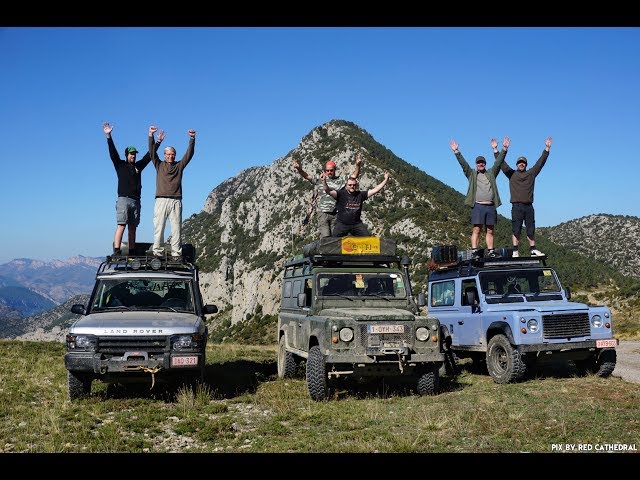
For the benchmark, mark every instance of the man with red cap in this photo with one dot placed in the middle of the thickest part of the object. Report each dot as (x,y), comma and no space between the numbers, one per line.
(521,185)
(326,208)
(482,195)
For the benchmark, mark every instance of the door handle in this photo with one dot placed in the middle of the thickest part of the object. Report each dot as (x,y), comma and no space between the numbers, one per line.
(460,322)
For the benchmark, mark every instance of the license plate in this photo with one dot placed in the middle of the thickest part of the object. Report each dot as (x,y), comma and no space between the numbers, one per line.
(183,361)
(386,328)
(610,342)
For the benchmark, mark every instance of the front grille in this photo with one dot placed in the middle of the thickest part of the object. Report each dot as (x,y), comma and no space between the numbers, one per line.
(380,339)
(566,325)
(119,345)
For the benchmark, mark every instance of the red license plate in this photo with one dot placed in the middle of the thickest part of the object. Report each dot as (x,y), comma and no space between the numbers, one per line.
(610,342)
(184,361)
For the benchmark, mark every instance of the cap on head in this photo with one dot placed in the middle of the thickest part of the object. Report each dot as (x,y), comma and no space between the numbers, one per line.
(330,165)
(480,159)
(130,149)
(521,160)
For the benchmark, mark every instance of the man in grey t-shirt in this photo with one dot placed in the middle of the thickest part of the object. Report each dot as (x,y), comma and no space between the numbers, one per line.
(326,203)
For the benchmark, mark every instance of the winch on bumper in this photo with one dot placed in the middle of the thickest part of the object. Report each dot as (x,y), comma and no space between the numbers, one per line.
(130,362)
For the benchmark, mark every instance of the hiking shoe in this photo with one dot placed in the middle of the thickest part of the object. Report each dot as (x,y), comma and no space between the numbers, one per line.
(492,254)
(117,251)
(536,253)
(515,254)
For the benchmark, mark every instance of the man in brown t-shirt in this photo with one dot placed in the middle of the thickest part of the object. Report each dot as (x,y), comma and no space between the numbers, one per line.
(169,193)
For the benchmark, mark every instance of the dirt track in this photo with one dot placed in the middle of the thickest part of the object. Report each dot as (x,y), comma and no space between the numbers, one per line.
(628,361)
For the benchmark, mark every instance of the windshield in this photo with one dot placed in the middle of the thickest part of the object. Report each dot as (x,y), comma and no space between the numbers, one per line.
(376,284)
(143,294)
(530,282)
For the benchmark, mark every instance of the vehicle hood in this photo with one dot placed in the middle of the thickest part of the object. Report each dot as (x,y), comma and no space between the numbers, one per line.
(368,314)
(137,323)
(542,307)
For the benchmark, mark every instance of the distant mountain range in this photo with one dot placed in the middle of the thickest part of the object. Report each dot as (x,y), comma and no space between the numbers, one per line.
(252,223)
(612,239)
(28,287)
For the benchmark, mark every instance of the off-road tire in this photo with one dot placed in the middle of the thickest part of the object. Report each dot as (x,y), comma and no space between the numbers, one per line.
(317,381)
(287,364)
(450,364)
(601,364)
(79,384)
(429,382)
(606,363)
(504,363)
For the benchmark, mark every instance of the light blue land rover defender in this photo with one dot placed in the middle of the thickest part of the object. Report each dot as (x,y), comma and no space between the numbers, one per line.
(512,312)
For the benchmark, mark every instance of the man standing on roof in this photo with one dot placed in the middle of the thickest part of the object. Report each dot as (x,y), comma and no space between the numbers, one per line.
(482,195)
(521,185)
(129,173)
(326,204)
(169,192)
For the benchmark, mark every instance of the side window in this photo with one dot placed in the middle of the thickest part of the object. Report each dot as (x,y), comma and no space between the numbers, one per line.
(308,291)
(286,291)
(442,294)
(297,287)
(469,286)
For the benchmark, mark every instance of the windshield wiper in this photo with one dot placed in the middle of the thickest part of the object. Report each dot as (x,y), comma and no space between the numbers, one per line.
(339,295)
(161,307)
(113,307)
(379,295)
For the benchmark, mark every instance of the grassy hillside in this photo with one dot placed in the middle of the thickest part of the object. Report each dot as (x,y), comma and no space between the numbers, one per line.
(244,408)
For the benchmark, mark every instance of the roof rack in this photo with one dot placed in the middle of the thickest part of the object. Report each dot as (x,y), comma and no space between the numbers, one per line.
(120,263)
(495,262)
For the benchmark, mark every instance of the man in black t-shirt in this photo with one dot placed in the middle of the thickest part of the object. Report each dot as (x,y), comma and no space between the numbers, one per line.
(129,173)
(349,207)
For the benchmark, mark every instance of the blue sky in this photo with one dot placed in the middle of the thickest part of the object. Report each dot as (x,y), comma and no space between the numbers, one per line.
(252,93)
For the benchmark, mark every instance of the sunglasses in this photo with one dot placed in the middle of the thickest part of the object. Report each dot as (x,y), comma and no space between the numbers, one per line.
(330,170)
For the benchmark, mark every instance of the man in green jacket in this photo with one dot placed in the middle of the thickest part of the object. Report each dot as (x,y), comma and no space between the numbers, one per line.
(482,195)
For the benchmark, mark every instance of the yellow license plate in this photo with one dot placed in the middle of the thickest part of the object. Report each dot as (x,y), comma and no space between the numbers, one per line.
(360,245)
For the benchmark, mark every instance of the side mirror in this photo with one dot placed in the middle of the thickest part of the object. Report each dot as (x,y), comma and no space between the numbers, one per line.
(79,309)
(302,299)
(421,301)
(567,292)
(210,309)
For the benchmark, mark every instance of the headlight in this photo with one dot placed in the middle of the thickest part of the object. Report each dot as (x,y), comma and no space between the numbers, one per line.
(186,342)
(596,321)
(532,325)
(346,334)
(422,334)
(85,343)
